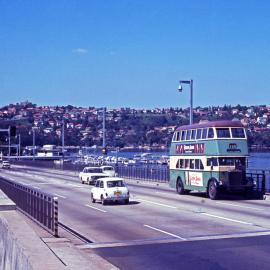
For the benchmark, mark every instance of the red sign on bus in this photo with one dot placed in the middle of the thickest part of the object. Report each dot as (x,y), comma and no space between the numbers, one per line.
(197,148)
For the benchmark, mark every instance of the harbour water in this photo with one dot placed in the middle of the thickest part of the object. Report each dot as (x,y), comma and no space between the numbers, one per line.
(259,161)
(256,161)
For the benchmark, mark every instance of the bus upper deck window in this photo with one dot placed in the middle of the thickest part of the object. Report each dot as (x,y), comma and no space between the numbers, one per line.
(223,133)
(193,134)
(186,163)
(188,134)
(210,133)
(178,136)
(199,134)
(238,133)
(204,133)
(183,135)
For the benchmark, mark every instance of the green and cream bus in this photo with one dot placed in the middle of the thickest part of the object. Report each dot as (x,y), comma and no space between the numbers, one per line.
(210,157)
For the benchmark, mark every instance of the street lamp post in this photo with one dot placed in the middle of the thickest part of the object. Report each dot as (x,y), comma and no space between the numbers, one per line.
(180,88)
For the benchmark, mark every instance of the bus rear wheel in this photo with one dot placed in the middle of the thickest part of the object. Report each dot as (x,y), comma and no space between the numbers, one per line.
(180,187)
(213,191)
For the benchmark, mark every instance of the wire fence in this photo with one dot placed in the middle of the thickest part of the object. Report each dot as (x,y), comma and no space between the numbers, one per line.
(39,206)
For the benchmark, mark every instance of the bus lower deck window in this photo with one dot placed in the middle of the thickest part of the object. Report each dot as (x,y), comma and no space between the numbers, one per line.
(212,162)
(192,164)
(186,163)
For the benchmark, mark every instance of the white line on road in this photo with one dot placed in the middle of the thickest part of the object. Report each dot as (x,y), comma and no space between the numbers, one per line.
(171,234)
(59,196)
(242,206)
(72,185)
(229,219)
(104,211)
(160,204)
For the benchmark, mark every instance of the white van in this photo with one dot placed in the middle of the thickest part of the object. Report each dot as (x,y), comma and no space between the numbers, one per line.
(109,170)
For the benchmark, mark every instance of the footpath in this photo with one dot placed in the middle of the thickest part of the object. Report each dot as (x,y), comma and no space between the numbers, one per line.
(26,246)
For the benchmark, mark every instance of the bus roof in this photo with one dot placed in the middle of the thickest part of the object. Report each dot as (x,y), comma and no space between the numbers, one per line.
(212,124)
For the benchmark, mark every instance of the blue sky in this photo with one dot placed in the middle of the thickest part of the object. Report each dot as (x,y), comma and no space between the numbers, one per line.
(123,53)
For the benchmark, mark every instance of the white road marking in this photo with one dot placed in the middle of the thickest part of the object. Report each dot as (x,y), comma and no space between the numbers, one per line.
(160,204)
(229,219)
(171,234)
(101,210)
(72,185)
(59,196)
(242,206)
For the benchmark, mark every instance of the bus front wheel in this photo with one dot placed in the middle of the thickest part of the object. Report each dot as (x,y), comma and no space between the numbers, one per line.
(180,187)
(213,191)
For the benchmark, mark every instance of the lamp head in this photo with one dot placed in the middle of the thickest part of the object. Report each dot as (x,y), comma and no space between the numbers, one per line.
(180,88)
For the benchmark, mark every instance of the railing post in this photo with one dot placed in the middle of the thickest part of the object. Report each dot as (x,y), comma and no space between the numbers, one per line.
(55,216)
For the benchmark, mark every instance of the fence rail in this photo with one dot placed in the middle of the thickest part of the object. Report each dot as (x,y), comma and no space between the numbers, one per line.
(39,206)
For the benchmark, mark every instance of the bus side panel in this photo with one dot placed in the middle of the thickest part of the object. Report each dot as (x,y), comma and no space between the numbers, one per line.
(174,174)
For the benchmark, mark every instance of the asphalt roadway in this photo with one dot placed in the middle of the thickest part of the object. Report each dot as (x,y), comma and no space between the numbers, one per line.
(159,229)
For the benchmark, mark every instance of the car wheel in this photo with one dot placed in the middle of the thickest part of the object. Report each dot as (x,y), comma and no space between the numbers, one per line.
(213,192)
(126,201)
(82,180)
(180,187)
(92,198)
(103,201)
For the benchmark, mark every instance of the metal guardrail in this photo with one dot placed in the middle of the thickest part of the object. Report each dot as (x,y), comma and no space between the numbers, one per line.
(39,206)
(157,174)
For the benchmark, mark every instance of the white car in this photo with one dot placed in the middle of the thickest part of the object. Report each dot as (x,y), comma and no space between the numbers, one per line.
(5,164)
(109,170)
(111,189)
(89,175)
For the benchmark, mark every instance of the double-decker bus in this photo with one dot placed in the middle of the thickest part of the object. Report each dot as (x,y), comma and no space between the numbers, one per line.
(210,157)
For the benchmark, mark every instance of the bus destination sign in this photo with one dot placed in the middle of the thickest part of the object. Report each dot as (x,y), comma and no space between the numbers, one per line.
(197,148)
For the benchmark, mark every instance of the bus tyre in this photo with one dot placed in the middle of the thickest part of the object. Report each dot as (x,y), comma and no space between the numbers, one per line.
(180,187)
(213,191)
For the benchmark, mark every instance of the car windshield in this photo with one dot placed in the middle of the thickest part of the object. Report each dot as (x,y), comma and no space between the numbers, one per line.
(108,168)
(94,170)
(116,183)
